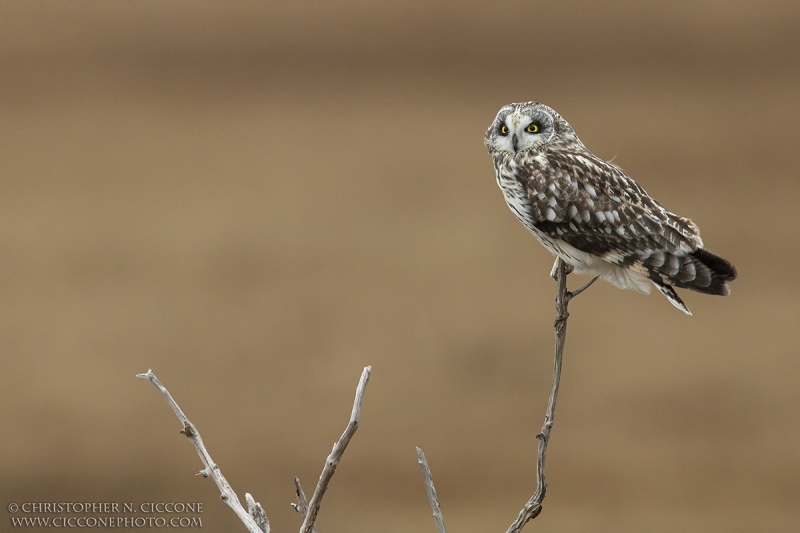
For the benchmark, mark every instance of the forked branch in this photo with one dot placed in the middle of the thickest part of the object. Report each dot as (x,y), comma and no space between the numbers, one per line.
(254,518)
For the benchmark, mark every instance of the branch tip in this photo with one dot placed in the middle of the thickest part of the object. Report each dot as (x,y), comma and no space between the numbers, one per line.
(211,470)
(312,508)
(427,479)
(257,512)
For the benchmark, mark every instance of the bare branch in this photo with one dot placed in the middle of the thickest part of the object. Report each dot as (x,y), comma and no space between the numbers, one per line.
(573,294)
(534,506)
(336,454)
(211,469)
(428,480)
(255,510)
(302,504)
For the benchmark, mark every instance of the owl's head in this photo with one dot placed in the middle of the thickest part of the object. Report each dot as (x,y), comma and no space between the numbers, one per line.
(527,126)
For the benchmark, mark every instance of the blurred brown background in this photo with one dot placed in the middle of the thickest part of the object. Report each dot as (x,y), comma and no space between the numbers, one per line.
(256,200)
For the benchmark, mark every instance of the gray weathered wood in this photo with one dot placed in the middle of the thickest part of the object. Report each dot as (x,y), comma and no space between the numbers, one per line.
(254,518)
(434,501)
(211,469)
(336,454)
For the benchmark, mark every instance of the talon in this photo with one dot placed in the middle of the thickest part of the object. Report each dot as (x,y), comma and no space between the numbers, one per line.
(554,271)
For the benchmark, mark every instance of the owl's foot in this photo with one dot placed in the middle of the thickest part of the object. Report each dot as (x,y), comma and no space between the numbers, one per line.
(554,271)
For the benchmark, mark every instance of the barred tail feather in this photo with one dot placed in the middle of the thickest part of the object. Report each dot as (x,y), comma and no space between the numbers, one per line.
(700,271)
(672,296)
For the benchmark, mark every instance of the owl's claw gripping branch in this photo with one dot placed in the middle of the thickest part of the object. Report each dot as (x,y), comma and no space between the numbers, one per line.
(554,270)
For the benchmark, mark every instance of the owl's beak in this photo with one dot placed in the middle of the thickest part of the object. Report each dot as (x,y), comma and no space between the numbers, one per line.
(515,142)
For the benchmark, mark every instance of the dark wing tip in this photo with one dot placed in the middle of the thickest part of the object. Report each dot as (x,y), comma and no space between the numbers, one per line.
(722,268)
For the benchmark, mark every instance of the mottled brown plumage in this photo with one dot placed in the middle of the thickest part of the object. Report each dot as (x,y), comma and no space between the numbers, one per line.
(593,215)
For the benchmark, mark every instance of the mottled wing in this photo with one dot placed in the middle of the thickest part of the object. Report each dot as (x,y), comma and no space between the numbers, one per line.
(595,207)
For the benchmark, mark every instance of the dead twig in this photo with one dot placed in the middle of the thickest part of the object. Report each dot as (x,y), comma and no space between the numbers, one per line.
(255,520)
(255,510)
(534,506)
(302,503)
(336,454)
(428,480)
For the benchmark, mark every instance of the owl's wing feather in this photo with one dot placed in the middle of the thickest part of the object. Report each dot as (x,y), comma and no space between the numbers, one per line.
(594,206)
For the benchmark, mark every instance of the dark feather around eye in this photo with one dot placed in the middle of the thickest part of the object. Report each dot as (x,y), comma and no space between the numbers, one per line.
(503,130)
(533,127)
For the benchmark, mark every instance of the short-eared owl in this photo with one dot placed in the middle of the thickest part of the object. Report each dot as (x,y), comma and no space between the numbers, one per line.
(591,214)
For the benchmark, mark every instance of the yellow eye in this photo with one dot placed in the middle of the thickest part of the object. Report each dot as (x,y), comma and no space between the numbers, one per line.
(532,128)
(503,130)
